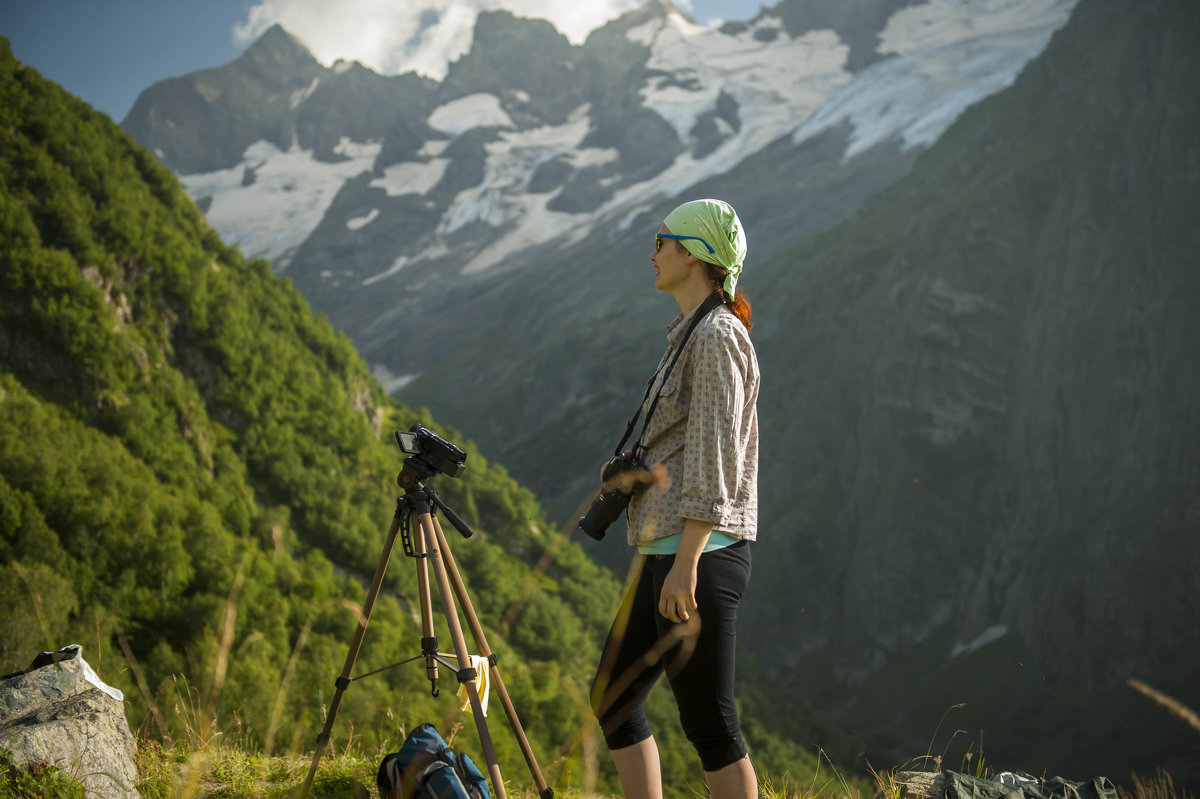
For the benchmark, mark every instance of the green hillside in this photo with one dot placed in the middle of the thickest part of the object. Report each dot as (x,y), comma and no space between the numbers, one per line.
(197,474)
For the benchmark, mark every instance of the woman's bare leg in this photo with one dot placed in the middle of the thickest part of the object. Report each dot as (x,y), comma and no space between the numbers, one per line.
(735,781)
(639,770)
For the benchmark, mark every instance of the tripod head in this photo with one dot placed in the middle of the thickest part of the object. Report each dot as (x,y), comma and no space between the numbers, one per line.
(429,455)
(413,475)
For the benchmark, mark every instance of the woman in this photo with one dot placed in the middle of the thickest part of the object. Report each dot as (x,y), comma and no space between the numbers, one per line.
(692,529)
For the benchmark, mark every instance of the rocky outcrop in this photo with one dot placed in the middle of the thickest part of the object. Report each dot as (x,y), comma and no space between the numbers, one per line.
(63,713)
(275,92)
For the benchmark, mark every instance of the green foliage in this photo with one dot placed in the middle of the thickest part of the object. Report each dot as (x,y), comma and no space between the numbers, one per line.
(36,781)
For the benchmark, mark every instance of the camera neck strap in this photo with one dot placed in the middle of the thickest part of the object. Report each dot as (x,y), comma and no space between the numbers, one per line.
(710,302)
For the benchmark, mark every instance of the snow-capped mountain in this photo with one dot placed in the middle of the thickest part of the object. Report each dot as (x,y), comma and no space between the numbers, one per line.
(361,187)
(556,137)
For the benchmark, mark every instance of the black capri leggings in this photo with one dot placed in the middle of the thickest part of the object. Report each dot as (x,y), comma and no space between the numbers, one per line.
(697,655)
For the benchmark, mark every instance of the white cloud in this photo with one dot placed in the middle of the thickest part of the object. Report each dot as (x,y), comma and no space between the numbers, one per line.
(423,36)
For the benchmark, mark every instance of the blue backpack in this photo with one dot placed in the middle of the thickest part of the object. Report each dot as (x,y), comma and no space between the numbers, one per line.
(425,767)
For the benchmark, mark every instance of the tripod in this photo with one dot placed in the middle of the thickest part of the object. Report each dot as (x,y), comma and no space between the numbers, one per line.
(428,546)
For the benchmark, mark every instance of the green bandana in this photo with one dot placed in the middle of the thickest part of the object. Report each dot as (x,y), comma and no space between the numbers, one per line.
(717,224)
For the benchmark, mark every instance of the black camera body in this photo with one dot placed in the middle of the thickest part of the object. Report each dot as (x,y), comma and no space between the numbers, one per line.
(433,452)
(609,505)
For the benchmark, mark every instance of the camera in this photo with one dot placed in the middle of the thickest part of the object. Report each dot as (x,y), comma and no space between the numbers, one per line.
(430,451)
(608,506)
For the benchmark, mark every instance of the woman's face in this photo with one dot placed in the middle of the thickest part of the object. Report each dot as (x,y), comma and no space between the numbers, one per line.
(672,265)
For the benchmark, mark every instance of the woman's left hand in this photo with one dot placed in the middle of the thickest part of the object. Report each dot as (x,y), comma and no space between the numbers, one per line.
(678,597)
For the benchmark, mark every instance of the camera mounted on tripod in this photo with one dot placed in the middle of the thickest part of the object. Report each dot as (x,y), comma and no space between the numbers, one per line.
(430,455)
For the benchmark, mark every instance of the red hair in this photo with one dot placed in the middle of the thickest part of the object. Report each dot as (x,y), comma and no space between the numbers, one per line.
(739,304)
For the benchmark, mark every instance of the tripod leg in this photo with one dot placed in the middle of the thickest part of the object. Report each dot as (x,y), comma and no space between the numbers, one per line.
(429,644)
(460,590)
(343,680)
(464,657)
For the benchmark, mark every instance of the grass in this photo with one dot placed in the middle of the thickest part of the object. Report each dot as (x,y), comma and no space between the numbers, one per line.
(1160,786)
(228,774)
(822,786)
(219,772)
(222,773)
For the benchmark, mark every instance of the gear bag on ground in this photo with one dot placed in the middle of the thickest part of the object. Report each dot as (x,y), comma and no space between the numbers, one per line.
(426,768)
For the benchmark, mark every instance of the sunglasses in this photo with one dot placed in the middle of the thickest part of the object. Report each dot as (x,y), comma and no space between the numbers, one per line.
(658,241)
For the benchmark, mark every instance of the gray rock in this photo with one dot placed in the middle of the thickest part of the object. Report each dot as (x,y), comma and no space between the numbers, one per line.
(63,713)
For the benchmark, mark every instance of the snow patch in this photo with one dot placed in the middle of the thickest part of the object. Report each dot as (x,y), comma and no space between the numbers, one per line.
(776,84)
(993,633)
(289,195)
(351,149)
(592,157)
(396,266)
(300,95)
(627,221)
(433,148)
(949,55)
(799,86)
(360,222)
(411,177)
(480,110)
(944,23)
(501,200)
(391,383)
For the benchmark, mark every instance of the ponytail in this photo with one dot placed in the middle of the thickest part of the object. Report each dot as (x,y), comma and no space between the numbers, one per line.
(739,305)
(741,309)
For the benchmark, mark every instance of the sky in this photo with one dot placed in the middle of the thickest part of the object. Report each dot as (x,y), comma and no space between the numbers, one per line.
(108,51)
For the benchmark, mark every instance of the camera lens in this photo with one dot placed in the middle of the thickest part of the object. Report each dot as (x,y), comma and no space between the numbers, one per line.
(605,510)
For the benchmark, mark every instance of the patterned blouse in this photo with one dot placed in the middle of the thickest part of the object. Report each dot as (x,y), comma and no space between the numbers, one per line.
(705,431)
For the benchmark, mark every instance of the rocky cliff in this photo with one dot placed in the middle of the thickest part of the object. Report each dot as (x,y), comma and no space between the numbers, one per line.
(983,417)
